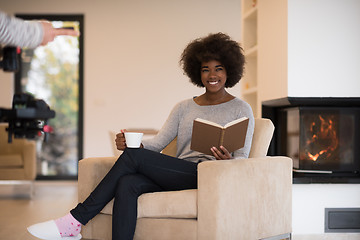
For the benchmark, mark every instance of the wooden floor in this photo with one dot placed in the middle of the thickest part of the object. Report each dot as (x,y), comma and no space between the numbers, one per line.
(51,199)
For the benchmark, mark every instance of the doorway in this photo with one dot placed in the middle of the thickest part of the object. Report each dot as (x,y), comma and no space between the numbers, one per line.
(54,73)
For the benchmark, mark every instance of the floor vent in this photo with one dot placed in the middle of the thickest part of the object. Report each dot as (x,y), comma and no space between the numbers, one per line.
(342,220)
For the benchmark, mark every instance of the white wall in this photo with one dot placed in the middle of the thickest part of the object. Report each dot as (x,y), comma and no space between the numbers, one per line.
(132,49)
(323,61)
(310,201)
(324,48)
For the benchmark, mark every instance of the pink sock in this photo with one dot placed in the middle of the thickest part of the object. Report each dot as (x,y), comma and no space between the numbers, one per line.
(68,226)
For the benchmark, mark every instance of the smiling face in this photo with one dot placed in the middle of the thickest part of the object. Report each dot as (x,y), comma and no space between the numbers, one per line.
(213,76)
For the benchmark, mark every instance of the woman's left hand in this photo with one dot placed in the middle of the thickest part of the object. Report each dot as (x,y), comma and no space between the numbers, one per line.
(222,154)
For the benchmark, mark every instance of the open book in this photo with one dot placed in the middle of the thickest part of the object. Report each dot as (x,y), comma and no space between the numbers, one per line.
(207,134)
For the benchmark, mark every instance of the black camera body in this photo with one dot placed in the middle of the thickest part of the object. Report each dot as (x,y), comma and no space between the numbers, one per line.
(27,118)
(10,59)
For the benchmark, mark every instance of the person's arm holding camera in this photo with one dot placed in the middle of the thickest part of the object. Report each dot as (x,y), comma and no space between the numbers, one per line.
(19,33)
(49,33)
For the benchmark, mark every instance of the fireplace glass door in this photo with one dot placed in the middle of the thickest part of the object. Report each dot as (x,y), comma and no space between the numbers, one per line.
(323,140)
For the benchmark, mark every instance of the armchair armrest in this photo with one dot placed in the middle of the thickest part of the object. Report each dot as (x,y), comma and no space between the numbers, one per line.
(91,172)
(244,199)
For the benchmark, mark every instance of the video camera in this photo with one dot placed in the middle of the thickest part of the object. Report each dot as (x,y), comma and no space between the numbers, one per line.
(10,59)
(28,116)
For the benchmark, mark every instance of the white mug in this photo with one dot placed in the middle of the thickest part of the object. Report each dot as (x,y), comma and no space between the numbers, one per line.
(133,139)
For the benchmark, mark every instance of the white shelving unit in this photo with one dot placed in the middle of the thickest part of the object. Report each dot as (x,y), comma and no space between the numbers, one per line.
(249,83)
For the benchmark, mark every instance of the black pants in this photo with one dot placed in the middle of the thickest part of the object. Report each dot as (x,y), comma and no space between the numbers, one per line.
(137,171)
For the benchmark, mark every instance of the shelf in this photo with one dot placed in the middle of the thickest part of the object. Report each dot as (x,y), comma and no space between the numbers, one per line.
(248,5)
(249,91)
(250,14)
(250,29)
(251,52)
(252,100)
(249,85)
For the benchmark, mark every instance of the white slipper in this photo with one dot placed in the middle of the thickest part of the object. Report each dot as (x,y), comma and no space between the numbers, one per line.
(49,231)
(78,237)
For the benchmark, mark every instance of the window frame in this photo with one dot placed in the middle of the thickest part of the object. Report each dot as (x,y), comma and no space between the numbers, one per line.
(17,83)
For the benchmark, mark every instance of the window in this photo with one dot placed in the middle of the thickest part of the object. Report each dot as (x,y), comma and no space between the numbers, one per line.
(54,73)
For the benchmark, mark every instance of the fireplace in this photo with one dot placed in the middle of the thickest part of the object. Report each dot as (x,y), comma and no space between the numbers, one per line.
(321,135)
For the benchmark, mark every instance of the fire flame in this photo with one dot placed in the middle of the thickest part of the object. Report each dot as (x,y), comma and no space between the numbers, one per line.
(325,136)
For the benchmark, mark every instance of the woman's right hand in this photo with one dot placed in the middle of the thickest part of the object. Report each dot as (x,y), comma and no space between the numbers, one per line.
(49,32)
(120,140)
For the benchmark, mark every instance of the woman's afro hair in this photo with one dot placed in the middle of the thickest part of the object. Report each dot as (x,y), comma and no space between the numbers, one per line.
(217,47)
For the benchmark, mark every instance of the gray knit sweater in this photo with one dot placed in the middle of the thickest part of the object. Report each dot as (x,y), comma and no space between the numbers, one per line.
(18,33)
(180,122)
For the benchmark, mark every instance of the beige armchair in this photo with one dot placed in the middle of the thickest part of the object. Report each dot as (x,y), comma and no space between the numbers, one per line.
(236,199)
(17,159)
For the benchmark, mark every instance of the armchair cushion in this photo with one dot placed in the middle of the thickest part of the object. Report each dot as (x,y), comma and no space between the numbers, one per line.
(176,204)
(11,160)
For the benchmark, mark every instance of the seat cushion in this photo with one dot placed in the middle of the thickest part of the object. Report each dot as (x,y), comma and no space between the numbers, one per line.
(174,204)
(11,161)
(166,229)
